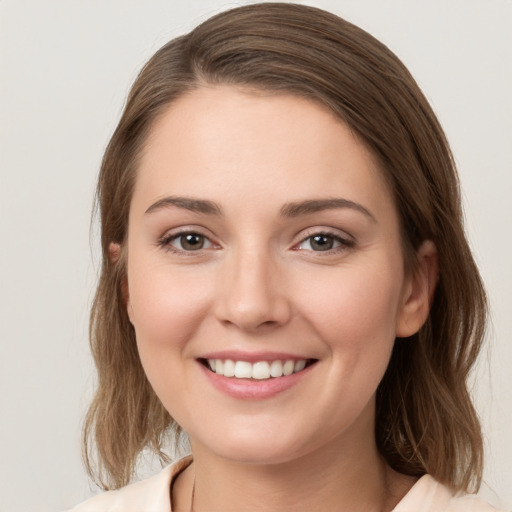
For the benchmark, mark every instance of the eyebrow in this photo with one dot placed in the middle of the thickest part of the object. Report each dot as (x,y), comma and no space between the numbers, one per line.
(318,205)
(186,203)
(294,209)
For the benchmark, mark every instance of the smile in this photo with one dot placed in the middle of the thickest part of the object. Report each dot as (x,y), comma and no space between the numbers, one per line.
(254,376)
(260,370)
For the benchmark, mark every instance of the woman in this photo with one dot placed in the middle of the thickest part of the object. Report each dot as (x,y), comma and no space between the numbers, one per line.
(285,278)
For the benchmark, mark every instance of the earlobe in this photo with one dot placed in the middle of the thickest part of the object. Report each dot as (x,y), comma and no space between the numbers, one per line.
(419,291)
(114,252)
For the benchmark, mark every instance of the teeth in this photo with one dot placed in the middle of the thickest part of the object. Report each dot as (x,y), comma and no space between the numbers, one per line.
(243,370)
(288,367)
(276,369)
(299,366)
(261,370)
(229,368)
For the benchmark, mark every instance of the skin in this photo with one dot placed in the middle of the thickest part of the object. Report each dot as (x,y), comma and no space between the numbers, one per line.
(259,284)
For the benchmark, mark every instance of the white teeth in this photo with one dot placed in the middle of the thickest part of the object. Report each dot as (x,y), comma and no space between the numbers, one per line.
(261,370)
(288,367)
(229,368)
(276,369)
(299,366)
(243,370)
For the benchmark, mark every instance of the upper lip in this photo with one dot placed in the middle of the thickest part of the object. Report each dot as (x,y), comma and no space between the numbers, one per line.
(253,357)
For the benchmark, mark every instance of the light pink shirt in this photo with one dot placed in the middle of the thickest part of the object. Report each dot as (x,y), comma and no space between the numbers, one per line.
(152,495)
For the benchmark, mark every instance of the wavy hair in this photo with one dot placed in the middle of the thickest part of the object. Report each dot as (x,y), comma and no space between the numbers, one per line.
(425,419)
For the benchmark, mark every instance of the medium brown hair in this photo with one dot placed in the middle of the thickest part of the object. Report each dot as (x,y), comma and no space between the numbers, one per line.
(425,419)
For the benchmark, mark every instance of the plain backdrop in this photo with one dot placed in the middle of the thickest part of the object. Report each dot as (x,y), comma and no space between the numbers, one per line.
(65,69)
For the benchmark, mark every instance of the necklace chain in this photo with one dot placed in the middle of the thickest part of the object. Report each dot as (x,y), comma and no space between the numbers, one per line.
(193,494)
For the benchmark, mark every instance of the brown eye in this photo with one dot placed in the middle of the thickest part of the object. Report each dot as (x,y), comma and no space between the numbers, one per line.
(321,242)
(191,242)
(186,242)
(324,242)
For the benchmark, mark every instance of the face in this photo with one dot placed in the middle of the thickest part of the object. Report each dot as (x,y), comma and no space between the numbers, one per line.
(265,275)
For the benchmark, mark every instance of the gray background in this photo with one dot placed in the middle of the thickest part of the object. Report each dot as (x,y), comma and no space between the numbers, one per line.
(65,69)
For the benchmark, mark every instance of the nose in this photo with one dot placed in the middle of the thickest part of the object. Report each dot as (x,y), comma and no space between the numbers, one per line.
(252,293)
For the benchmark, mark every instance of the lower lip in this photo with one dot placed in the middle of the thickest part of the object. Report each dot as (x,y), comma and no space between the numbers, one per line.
(253,389)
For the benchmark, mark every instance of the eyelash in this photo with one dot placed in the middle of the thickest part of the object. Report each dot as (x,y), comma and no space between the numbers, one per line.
(165,242)
(343,243)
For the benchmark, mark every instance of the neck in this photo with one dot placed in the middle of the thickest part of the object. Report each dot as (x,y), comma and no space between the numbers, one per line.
(333,478)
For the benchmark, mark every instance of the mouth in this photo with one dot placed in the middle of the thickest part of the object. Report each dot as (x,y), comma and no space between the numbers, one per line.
(259,370)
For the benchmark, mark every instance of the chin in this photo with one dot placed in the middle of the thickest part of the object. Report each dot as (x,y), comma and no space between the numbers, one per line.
(257,445)
(258,456)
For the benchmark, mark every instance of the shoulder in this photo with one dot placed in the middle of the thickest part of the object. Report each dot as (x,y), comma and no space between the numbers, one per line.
(428,495)
(150,495)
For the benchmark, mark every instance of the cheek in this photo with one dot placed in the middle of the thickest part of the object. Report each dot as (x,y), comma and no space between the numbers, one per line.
(360,300)
(355,317)
(355,313)
(166,308)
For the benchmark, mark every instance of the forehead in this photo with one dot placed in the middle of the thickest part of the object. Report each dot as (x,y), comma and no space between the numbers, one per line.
(228,142)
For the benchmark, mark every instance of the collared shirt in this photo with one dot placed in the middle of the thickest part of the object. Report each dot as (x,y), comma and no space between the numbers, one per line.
(153,495)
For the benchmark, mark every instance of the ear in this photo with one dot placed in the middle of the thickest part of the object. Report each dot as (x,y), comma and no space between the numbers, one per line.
(418,291)
(114,253)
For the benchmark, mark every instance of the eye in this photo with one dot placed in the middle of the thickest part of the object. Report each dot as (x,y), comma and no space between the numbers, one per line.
(186,241)
(323,242)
